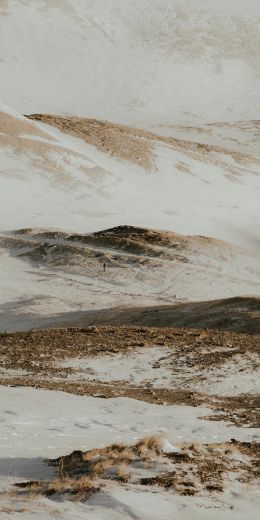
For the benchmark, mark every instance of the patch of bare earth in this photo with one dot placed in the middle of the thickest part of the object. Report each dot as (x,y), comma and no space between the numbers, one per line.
(188,469)
(36,359)
(138,146)
(121,141)
(121,239)
(42,150)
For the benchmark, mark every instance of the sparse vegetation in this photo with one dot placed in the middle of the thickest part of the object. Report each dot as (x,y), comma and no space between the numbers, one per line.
(195,353)
(195,468)
(78,489)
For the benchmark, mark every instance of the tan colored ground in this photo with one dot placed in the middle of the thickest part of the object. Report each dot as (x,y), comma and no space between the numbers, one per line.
(34,359)
(138,146)
(39,148)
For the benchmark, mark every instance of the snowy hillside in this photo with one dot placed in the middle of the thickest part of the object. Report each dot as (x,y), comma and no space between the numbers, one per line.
(143,267)
(129,259)
(186,70)
(118,175)
(135,61)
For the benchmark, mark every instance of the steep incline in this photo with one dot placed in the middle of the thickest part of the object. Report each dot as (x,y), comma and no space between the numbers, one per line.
(89,174)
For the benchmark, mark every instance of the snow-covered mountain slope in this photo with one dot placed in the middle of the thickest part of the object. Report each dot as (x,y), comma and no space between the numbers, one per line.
(132,61)
(38,424)
(239,314)
(129,117)
(46,274)
(117,175)
(147,86)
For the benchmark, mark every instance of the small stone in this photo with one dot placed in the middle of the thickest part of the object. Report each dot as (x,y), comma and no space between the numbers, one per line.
(90,330)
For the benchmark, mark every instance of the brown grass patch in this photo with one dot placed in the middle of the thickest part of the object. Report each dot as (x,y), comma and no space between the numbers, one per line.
(74,489)
(196,468)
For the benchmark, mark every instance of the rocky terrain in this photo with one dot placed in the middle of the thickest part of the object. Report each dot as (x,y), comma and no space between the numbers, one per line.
(129,259)
(162,366)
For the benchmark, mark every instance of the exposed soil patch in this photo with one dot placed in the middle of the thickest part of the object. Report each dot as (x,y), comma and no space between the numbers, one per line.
(135,240)
(38,350)
(138,145)
(194,357)
(239,314)
(124,142)
(128,239)
(78,490)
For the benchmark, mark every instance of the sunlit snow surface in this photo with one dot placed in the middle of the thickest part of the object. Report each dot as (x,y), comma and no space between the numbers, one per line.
(142,367)
(38,423)
(155,61)
(187,69)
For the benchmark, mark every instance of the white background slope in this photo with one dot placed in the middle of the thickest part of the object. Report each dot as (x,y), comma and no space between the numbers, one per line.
(136,61)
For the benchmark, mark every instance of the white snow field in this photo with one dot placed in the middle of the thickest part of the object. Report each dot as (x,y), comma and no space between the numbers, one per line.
(170,65)
(149,61)
(39,423)
(51,179)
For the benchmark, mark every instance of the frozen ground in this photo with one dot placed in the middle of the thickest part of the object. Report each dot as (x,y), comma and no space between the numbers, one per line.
(38,424)
(47,275)
(156,367)
(183,77)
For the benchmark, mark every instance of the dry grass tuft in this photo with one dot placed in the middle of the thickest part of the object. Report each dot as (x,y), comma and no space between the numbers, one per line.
(101,461)
(121,473)
(148,445)
(75,489)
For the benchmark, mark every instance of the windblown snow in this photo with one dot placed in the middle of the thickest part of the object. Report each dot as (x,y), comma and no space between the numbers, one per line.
(138,119)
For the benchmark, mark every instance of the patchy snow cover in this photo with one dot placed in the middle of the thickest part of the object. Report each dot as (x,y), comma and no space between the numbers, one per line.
(40,180)
(154,366)
(185,63)
(33,292)
(135,368)
(38,423)
(46,423)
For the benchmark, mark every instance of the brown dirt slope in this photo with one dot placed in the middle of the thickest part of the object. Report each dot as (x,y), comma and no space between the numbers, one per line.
(35,359)
(240,314)
(137,145)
